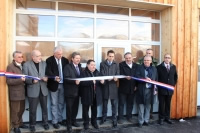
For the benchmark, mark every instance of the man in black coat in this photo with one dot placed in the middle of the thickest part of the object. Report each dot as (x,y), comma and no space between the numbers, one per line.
(71,89)
(91,94)
(166,74)
(54,70)
(110,91)
(126,87)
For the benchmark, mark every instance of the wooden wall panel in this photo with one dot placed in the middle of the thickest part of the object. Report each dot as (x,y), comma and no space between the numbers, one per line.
(6,31)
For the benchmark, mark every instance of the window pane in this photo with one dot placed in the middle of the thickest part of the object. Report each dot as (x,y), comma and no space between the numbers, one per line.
(35,5)
(112,29)
(138,51)
(145,31)
(85,49)
(119,52)
(73,27)
(46,48)
(35,25)
(106,10)
(145,14)
(75,8)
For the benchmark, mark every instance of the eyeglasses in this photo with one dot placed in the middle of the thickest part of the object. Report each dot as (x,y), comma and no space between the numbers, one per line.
(20,57)
(167,57)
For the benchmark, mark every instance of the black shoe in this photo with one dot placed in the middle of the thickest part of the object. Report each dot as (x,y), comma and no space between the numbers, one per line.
(168,121)
(17,130)
(146,124)
(160,121)
(130,120)
(95,125)
(86,126)
(75,124)
(56,126)
(63,123)
(139,125)
(69,129)
(23,126)
(46,126)
(114,124)
(32,128)
(120,121)
(102,121)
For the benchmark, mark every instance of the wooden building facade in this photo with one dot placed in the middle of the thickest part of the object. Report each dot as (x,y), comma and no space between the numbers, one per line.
(179,33)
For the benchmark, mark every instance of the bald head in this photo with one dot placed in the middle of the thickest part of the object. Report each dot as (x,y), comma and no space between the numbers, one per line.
(36,56)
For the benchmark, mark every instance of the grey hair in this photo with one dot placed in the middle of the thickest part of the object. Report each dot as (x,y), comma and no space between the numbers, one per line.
(127,54)
(75,53)
(16,52)
(58,48)
(148,56)
(149,49)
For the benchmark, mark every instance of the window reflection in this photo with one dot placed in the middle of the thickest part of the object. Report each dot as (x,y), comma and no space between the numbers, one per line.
(145,14)
(35,25)
(119,52)
(75,27)
(112,29)
(75,8)
(46,48)
(85,49)
(35,5)
(145,31)
(107,10)
(139,51)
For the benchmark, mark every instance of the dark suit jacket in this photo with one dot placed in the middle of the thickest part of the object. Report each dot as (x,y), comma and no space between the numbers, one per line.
(127,86)
(70,87)
(52,71)
(167,78)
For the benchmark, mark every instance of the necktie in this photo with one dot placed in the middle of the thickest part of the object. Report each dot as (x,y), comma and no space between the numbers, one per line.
(77,70)
(59,70)
(167,68)
(109,63)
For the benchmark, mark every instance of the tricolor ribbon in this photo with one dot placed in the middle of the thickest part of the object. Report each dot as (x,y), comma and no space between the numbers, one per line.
(163,85)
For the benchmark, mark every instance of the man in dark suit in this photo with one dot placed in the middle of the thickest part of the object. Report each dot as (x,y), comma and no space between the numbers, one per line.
(145,91)
(16,92)
(127,87)
(110,91)
(37,90)
(71,89)
(55,67)
(166,74)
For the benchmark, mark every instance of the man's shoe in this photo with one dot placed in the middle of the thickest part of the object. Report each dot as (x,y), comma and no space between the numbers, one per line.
(102,121)
(146,124)
(63,123)
(46,127)
(69,129)
(23,126)
(160,121)
(32,128)
(86,126)
(75,124)
(120,121)
(17,130)
(114,124)
(56,126)
(95,125)
(130,120)
(139,125)
(168,121)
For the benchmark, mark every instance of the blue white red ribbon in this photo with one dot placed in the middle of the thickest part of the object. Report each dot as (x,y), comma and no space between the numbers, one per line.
(14,75)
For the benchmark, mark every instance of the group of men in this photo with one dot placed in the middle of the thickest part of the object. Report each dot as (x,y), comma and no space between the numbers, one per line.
(56,74)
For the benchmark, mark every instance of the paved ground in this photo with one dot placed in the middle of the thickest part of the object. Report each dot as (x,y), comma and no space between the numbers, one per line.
(191,125)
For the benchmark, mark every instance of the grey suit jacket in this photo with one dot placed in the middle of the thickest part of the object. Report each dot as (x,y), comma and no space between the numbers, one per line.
(33,89)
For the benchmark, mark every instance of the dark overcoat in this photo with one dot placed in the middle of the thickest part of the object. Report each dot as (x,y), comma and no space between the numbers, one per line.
(140,97)
(110,89)
(88,90)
